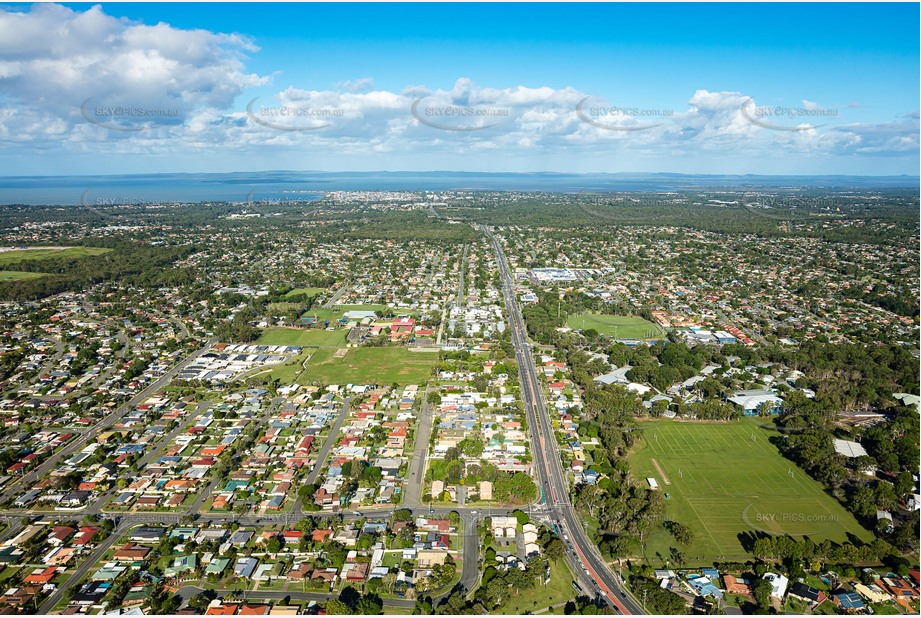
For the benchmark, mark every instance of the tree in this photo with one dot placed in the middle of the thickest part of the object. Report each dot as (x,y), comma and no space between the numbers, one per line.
(761,591)
(683,534)
(555,549)
(274,545)
(389,580)
(515,488)
(201,601)
(369,605)
(903,483)
(337,608)
(402,515)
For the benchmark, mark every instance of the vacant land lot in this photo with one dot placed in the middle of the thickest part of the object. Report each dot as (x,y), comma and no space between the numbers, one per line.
(19,255)
(618,326)
(726,479)
(369,366)
(559,590)
(295,336)
(305,291)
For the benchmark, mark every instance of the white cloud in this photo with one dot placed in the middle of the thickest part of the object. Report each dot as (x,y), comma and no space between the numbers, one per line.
(53,59)
(356,85)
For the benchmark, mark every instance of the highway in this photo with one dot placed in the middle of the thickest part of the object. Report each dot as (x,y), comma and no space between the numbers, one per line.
(591,570)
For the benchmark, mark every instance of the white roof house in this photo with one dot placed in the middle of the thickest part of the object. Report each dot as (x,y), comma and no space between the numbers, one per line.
(849,449)
(778,584)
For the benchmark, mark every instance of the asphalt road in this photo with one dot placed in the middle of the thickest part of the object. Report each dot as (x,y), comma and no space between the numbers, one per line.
(582,554)
(330,441)
(187,592)
(82,570)
(416,479)
(332,301)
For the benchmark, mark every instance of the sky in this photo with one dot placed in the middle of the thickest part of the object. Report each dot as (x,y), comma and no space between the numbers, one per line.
(692,88)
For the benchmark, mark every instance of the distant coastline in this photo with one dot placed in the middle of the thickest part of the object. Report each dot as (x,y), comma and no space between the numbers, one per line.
(256,186)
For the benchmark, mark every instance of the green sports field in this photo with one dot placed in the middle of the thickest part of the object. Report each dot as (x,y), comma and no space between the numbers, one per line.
(369,366)
(618,326)
(725,479)
(19,255)
(296,336)
(15,275)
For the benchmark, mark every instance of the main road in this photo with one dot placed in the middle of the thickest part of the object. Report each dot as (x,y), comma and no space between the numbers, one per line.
(581,552)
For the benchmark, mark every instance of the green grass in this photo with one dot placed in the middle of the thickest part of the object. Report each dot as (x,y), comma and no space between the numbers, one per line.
(559,590)
(369,366)
(313,338)
(722,483)
(885,609)
(15,275)
(307,291)
(618,326)
(396,611)
(19,255)
(289,372)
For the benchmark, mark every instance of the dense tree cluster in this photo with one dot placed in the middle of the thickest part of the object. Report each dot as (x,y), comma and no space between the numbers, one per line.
(658,600)
(128,263)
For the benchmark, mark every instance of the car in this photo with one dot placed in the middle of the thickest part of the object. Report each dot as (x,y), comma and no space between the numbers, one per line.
(357,514)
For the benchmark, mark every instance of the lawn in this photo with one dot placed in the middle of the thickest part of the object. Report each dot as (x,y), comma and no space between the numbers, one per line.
(396,611)
(289,372)
(369,366)
(722,482)
(314,338)
(19,255)
(617,326)
(15,275)
(559,590)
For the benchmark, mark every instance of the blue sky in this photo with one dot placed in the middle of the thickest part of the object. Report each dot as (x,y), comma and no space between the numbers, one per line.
(706,88)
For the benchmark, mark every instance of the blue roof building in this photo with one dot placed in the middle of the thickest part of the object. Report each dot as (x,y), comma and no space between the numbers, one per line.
(848,600)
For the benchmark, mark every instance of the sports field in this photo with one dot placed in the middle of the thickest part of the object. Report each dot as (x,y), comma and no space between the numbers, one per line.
(15,275)
(617,326)
(315,338)
(368,366)
(19,255)
(725,479)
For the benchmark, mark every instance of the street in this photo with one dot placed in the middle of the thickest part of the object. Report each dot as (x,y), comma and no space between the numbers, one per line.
(591,570)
